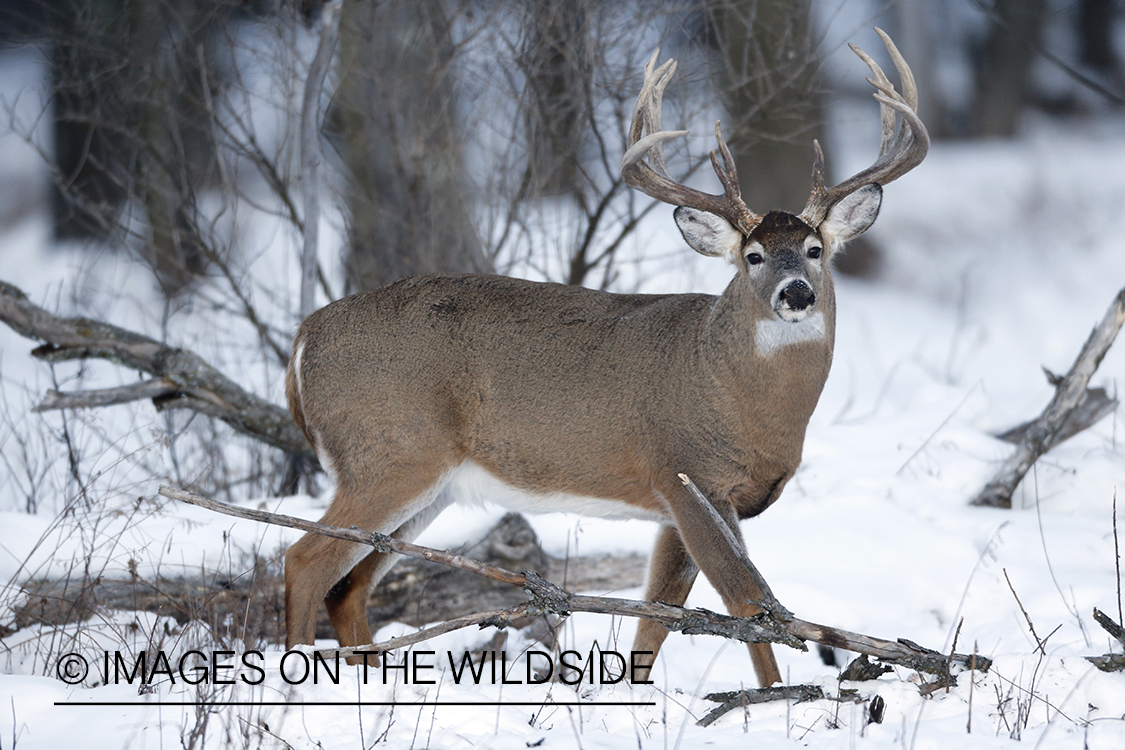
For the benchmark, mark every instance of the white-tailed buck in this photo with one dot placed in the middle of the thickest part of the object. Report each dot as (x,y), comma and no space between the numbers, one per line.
(557,398)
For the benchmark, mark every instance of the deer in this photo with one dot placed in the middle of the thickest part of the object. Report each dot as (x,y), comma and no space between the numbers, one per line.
(546,397)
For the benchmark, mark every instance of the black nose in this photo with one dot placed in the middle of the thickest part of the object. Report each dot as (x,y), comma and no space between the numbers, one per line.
(798,295)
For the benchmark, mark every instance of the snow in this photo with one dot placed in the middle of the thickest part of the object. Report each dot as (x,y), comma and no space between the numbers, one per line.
(1000,258)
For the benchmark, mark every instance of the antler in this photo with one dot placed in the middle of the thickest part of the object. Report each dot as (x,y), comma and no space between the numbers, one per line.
(653,180)
(902,147)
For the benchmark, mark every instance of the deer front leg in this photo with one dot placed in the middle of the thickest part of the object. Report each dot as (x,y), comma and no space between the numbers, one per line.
(720,563)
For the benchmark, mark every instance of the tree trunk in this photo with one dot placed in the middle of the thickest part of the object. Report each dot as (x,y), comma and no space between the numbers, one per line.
(1003,72)
(769,87)
(91,185)
(395,123)
(130,119)
(769,83)
(559,78)
(1095,35)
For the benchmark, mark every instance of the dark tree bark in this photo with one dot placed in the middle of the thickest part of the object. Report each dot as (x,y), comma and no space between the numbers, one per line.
(557,68)
(1095,35)
(128,81)
(396,128)
(769,87)
(91,185)
(1003,73)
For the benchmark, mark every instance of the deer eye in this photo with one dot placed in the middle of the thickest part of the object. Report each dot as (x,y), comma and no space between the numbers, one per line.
(754,258)
(814,252)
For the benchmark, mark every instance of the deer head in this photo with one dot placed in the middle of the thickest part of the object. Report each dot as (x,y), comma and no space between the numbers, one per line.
(785,256)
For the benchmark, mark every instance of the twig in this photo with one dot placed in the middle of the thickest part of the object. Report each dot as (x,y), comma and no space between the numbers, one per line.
(1117,558)
(194,383)
(548,597)
(156,388)
(1027,617)
(1042,434)
(972,683)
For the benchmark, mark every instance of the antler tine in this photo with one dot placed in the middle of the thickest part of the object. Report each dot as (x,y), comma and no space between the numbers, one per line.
(727,173)
(882,83)
(653,117)
(909,89)
(903,144)
(652,178)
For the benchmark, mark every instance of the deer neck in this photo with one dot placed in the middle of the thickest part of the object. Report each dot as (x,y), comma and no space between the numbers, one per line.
(768,373)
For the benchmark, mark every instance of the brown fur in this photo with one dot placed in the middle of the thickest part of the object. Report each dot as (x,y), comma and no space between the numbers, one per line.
(556,389)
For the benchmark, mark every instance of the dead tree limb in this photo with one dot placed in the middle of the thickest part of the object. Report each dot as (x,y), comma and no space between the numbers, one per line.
(729,701)
(1044,432)
(183,380)
(1109,662)
(155,388)
(1110,626)
(548,597)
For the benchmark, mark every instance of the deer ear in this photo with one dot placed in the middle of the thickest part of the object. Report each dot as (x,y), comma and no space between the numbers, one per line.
(852,215)
(708,233)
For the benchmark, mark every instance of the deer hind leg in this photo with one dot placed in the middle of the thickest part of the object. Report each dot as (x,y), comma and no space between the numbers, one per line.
(671,573)
(346,601)
(319,568)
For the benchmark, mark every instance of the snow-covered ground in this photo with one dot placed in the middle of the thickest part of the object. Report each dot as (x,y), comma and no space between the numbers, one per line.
(1000,259)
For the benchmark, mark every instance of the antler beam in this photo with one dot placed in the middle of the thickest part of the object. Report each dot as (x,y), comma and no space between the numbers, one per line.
(652,178)
(903,145)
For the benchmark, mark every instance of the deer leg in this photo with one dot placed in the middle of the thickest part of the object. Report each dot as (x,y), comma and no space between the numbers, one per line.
(320,568)
(723,569)
(346,601)
(671,573)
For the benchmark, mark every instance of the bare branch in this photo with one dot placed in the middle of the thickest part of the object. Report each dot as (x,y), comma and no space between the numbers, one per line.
(1043,433)
(1110,626)
(158,388)
(739,698)
(1109,662)
(195,384)
(1093,405)
(548,597)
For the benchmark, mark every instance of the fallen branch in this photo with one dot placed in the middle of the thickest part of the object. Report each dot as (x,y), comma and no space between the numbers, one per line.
(546,597)
(1044,432)
(1110,626)
(1094,405)
(183,380)
(1109,662)
(740,698)
(157,388)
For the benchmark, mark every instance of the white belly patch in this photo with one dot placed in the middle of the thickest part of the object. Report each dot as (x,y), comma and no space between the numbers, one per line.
(776,333)
(473,484)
